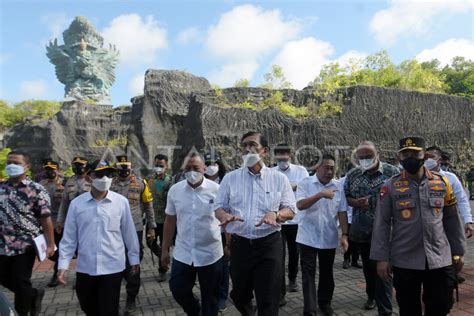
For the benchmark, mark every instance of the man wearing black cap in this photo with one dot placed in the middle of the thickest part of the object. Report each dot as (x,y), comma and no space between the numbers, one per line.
(138,193)
(75,186)
(100,226)
(418,234)
(53,184)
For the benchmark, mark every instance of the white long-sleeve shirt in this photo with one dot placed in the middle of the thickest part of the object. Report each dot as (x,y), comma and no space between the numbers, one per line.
(463,202)
(100,230)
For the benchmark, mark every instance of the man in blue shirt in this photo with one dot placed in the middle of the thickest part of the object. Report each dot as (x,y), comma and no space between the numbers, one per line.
(99,225)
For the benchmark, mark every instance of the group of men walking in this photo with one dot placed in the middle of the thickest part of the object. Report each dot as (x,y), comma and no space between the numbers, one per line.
(405,222)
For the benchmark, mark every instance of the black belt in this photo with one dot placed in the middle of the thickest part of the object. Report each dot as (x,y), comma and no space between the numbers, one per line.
(256,241)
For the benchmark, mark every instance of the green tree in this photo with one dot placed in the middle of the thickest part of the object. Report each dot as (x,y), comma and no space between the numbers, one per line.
(242,83)
(459,77)
(275,79)
(10,115)
(3,162)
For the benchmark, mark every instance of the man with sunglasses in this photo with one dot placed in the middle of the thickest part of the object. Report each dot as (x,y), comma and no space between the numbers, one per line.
(418,234)
(75,186)
(138,193)
(100,226)
(251,204)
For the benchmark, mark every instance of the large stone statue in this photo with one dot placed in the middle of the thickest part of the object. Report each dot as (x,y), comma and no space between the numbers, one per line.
(82,64)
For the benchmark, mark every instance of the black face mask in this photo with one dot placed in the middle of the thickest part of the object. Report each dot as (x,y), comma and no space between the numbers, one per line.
(412,165)
(80,170)
(50,174)
(124,173)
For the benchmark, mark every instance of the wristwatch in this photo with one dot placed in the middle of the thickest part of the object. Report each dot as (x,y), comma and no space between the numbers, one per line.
(277,213)
(456,259)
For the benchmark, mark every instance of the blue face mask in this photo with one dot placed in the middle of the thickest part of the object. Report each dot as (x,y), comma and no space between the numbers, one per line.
(14,170)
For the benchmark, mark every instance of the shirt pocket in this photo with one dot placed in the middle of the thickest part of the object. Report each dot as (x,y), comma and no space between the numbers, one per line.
(272,201)
(405,208)
(113,224)
(436,205)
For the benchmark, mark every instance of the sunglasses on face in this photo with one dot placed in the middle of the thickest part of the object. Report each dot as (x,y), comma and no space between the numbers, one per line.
(106,172)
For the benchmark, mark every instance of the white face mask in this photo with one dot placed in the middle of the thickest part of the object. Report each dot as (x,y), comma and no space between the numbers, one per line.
(14,170)
(367,164)
(193,177)
(159,170)
(283,164)
(102,184)
(212,170)
(431,164)
(250,160)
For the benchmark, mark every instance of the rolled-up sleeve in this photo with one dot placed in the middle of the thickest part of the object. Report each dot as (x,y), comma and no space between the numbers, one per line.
(129,235)
(287,196)
(222,199)
(68,244)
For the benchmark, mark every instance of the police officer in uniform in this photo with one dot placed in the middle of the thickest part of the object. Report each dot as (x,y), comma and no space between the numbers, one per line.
(53,184)
(138,193)
(418,234)
(79,183)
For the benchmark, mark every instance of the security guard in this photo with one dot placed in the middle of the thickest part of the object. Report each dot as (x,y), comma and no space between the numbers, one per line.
(418,230)
(75,186)
(138,193)
(53,184)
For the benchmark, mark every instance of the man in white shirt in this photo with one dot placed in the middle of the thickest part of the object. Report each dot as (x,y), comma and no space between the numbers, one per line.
(198,248)
(251,204)
(99,225)
(289,229)
(320,204)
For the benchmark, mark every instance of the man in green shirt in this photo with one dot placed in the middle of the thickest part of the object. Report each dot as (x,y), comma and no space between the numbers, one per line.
(160,183)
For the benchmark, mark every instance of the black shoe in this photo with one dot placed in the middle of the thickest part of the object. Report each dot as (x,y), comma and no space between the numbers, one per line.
(326,310)
(36,302)
(292,286)
(282,302)
(130,305)
(370,304)
(356,264)
(54,281)
(162,277)
(345,264)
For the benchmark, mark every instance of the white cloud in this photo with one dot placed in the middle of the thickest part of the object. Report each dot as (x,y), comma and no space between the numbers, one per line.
(445,51)
(412,17)
(247,32)
(56,24)
(136,84)
(33,89)
(228,74)
(189,35)
(351,56)
(302,60)
(138,40)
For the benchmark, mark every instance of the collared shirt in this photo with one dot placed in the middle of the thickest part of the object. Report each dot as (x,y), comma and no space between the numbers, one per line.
(361,183)
(417,223)
(21,208)
(55,190)
(464,206)
(318,223)
(159,189)
(295,174)
(251,196)
(100,231)
(139,196)
(198,241)
(74,187)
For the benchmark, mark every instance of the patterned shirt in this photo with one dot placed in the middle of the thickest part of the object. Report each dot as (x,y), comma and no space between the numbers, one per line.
(159,189)
(361,183)
(21,209)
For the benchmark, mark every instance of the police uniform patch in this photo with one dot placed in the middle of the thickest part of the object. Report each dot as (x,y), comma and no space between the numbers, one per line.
(399,184)
(406,213)
(383,191)
(437,188)
(437,211)
(402,190)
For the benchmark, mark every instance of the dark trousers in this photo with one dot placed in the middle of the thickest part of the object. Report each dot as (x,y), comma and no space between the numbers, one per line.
(255,265)
(224,286)
(159,234)
(288,236)
(133,281)
(308,273)
(376,288)
(182,280)
(15,275)
(438,286)
(99,295)
(57,240)
(352,252)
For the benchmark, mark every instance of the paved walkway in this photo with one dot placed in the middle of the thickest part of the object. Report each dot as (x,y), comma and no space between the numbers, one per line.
(156,299)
